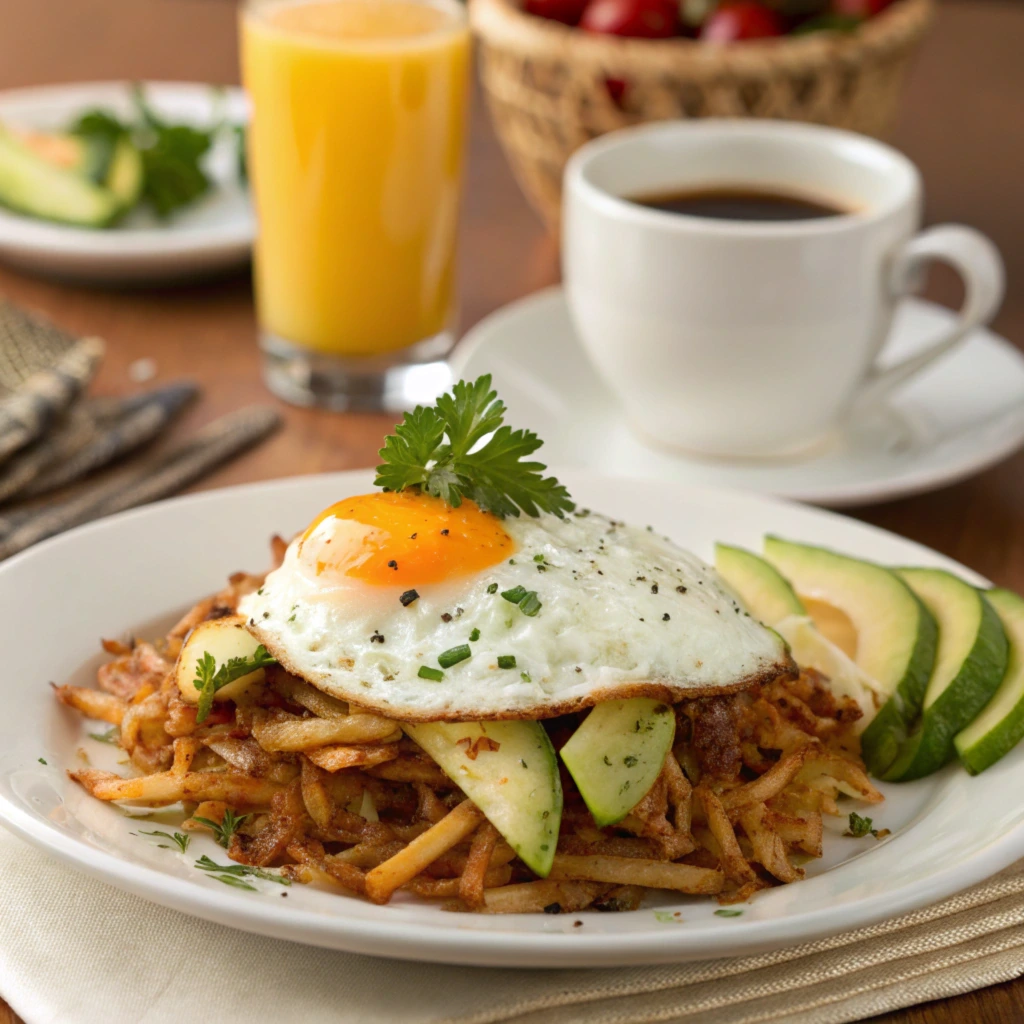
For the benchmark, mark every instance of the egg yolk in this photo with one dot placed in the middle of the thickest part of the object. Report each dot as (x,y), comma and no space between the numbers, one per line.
(403,539)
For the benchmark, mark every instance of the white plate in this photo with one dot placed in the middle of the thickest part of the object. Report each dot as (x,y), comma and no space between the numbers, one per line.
(964,414)
(124,574)
(214,234)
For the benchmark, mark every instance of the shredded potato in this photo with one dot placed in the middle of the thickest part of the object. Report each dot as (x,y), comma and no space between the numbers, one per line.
(334,795)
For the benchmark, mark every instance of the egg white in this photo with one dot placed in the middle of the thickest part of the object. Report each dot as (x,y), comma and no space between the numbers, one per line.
(624,613)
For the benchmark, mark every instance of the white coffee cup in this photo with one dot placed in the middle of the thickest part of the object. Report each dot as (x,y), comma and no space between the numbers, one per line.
(753,338)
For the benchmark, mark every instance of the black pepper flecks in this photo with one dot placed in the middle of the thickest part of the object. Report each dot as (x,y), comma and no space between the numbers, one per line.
(665,617)
(393,564)
(377,638)
(446,616)
(408,597)
(444,532)
(641,579)
(412,536)
(654,588)
(680,590)
(578,669)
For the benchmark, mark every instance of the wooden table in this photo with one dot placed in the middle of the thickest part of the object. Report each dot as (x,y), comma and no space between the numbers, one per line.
(961,123)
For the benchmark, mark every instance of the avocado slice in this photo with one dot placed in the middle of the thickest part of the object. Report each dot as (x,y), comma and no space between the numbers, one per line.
(970,663)
(1000,725)
(766,593)
(515,783)
(32,185)
(124,174)
(896,634)
(616,755)
(769,596)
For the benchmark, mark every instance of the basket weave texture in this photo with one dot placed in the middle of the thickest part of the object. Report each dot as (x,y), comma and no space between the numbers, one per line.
(546,84)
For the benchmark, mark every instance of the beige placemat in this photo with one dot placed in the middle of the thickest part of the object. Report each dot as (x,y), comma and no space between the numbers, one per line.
(76,951)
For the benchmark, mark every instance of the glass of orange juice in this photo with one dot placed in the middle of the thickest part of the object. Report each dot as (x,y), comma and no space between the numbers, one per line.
(356,146)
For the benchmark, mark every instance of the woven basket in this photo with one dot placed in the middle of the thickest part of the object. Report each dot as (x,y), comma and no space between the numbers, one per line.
(546,84)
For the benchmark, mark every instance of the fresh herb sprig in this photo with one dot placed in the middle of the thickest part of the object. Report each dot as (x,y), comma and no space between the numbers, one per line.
(209,678)
(437,449)
(180,839)
(235,874)
(111,735)
(860,826)
(226,828)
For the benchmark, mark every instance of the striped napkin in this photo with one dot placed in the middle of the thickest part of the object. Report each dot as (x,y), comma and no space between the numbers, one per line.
(53,440)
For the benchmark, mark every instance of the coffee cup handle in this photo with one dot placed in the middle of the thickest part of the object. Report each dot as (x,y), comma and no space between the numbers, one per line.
(976,260)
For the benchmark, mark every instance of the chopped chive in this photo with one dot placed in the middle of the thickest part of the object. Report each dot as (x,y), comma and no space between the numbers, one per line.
(433,674)
(492,588)
(538,558)
(408,597)
(474,636)
(728,913)
(515,595)
(454,655)
(525,676)
(506,661)
(530,604)
(42,760)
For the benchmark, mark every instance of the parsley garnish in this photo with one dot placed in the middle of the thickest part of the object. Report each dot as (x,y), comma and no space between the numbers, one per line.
(728,913)
(506,661)
(234,874)
(209,679)
(228,826)
(110,736)
(860,827)
(180,839)
(42,760)
(434,449)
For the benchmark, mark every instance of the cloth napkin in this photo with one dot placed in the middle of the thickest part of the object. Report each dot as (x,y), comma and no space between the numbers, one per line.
(76,951)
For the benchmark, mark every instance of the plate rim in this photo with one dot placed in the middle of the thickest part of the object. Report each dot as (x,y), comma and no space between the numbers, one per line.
(909,483)
(427,943)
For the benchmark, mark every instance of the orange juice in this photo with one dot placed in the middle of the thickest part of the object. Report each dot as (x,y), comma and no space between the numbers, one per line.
(355,154)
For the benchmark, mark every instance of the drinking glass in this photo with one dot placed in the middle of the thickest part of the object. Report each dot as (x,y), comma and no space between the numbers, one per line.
(355,152)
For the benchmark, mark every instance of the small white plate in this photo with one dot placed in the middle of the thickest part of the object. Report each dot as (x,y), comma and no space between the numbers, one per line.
(214,234)
(964,414)
(134,572)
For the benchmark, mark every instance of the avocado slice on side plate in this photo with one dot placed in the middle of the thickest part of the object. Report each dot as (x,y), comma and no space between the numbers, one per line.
(32,185)
(970,663)
(124,173)
(616,755)
(768,596)
(896,634)
(1000,725)
(510,771)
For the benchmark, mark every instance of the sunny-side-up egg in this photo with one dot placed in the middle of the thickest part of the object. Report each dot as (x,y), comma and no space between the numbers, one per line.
(555,614)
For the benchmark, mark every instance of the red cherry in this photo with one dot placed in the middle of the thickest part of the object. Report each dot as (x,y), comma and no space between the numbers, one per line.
(568,12)
(647,19)
(741,19)
(859,8)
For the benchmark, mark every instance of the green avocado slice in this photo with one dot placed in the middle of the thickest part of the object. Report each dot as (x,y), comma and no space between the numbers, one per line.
(896,634)
(1000,725)
(616,755)
(513,779)
(970,663)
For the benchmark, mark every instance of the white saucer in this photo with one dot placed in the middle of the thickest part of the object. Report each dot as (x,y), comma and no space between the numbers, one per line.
(959,417)
(214,234)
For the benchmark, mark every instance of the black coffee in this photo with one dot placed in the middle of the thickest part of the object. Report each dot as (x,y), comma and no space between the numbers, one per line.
(739,204)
